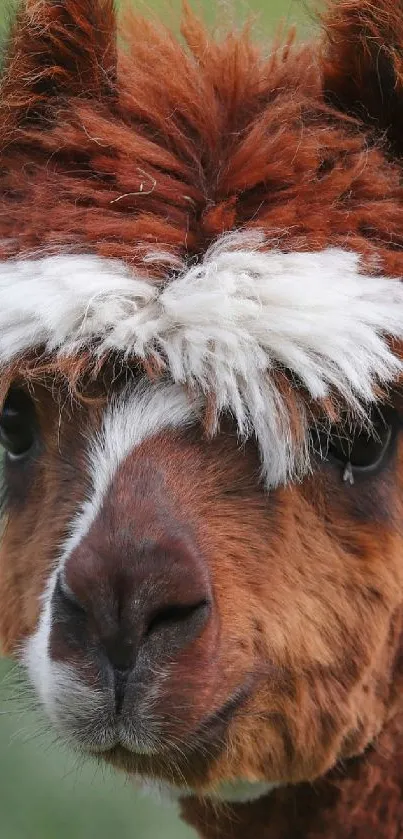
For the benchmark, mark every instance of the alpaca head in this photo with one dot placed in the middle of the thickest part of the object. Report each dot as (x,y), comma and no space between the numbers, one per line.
(201,324)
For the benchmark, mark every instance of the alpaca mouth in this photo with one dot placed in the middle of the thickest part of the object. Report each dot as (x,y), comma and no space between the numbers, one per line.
(178,767)
(178,760)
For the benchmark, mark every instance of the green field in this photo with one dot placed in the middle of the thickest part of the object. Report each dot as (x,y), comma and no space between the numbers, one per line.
(43,793)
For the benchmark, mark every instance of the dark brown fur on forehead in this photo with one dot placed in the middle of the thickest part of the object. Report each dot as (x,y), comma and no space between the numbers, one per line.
(363,67)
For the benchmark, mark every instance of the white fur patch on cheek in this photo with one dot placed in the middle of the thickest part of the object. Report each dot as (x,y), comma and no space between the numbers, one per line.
(35,655)
(80,713)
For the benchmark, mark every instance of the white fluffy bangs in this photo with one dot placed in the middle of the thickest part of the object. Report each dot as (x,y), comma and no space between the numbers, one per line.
(223,327)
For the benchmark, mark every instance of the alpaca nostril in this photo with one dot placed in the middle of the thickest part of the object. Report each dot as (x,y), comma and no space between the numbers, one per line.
(180,622)
(66,596)
(177,616)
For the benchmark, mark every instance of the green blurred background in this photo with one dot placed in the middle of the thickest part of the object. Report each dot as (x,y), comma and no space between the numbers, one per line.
(44,792)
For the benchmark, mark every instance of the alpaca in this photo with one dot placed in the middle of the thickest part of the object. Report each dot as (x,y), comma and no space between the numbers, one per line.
(201,352)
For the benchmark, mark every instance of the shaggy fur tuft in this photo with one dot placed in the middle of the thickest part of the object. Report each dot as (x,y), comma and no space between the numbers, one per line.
(224,328)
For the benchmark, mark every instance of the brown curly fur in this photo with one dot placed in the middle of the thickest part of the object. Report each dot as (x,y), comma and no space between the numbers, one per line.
(172,144)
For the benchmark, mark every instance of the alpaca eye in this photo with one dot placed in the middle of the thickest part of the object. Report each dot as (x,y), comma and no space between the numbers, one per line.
(366,451)
(18,427)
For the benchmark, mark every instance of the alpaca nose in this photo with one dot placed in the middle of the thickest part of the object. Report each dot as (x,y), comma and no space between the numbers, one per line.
(131,608)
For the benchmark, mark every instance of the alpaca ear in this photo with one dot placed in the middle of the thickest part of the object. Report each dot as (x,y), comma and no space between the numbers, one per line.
(58,48)
(363,63)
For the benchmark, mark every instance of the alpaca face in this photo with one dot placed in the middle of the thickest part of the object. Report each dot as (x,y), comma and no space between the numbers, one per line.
(201,335)
(180,620)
